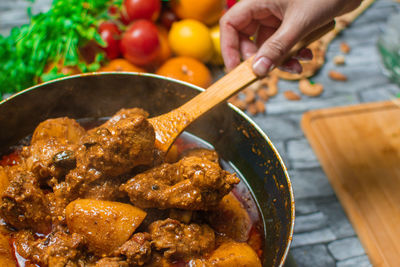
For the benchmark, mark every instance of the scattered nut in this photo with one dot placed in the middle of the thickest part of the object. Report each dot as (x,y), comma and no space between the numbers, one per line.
(262,93)
(310,89)
(337,76)
(290,95)
(272,83)
(260,106)
(233,98)
(345,48)
(339,60)
(252,109)
(254,86)
(343,22)
(250,96)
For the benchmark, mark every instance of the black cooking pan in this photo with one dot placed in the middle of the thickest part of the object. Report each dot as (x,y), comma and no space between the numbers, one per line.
(236,137)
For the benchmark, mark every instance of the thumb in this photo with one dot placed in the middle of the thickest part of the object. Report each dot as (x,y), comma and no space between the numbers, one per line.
(274,49)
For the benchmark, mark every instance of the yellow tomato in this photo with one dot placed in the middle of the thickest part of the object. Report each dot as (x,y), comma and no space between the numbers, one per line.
(191,38)
(215,37)
(206,11)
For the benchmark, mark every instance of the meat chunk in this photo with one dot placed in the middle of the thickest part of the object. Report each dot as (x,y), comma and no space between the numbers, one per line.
(104,189)
(137,250)
(57,249)
(191,183)
(123,114)
(51,152)
(24,204)
(113,150)
(181,241)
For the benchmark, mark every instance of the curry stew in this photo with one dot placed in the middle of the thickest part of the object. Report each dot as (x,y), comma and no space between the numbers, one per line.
(73,196)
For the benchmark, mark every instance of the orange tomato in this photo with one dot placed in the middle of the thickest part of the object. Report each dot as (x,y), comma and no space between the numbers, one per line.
(186,69)
(206,11)
(66,70)
(165,49)
(120,64)
(191,38)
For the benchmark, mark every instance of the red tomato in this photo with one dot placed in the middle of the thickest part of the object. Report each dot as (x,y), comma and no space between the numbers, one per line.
(113,10)
(140,44)
(230,3)
(142,9)
(168,17)
(111,35)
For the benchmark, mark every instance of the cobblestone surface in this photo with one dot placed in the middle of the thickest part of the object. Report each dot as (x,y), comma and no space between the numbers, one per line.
(323,235)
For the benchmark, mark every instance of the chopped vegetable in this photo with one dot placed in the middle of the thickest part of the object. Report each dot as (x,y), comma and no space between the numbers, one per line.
(54,36)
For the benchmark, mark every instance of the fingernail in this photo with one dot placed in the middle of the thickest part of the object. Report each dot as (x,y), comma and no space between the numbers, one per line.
(262,66)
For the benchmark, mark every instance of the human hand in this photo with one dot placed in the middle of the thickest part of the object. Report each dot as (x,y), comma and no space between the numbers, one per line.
(270,28)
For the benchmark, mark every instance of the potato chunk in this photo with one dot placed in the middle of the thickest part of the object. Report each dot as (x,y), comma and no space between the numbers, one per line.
(105,225)
(6,255)
(234,254)
(231,210)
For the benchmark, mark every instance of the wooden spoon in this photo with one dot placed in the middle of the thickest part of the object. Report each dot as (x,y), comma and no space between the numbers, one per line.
(170,125)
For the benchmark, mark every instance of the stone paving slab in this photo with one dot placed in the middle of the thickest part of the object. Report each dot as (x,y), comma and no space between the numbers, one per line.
(338,222)
(313,237)
(279,128)
(305,206)
(346,248)
(313,256)
(310,222)
(301,155)
(275,107)
(310,183)
(361,261)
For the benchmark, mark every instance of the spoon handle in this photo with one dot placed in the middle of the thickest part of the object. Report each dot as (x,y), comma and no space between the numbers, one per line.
(170,125)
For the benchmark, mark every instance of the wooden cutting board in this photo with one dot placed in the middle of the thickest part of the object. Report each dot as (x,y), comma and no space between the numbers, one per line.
(359,149)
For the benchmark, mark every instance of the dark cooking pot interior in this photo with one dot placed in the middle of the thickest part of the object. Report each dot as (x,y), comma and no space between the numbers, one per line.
(235,138)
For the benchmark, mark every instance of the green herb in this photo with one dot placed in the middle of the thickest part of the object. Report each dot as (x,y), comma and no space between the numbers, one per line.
(55,36)
(398,95)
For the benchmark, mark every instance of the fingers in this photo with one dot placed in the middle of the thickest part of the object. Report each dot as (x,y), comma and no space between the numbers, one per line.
(273,50)
(229,45)
(238,20)
(247,47)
